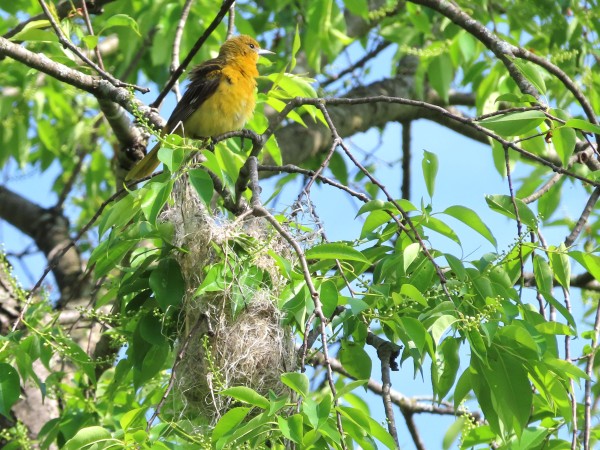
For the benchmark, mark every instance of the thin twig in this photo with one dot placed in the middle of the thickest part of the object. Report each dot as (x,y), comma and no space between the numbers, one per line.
(88,24)
(177,43)
(290,168)
(387,353)
(406,157)
(199,43)
(358,64)
(412,429)
(412,404)
(589,368)
(202,317)
(589,207)
(52,264)
(544,189)
(517,216)
(504,51)
(231,21)
(68,44)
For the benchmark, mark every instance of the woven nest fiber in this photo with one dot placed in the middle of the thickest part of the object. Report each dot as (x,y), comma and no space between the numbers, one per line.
(225,347)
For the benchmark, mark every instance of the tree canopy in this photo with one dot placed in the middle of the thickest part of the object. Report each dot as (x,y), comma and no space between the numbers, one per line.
(210,306)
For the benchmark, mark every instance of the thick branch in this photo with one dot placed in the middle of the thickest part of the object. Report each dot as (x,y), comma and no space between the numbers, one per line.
(50,231)
(300,143)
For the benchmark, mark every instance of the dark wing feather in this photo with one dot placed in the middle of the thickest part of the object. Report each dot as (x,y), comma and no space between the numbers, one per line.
(204,81)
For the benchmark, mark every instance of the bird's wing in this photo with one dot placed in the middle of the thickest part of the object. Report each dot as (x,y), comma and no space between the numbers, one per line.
(204,81)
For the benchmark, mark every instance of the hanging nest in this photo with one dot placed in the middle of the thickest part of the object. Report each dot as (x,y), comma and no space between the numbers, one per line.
(225,344)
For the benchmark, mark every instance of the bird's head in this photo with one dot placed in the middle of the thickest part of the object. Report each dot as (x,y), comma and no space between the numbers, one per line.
(242,47)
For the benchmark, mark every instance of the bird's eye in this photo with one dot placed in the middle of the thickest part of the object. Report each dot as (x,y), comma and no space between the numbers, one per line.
(251,45)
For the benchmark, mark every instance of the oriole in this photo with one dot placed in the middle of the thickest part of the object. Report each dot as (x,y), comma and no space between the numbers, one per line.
(219,98)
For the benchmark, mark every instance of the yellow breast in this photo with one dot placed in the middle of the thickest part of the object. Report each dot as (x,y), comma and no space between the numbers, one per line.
(227,109)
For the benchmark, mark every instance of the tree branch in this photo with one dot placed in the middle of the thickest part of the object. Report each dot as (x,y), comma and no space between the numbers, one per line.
(50,231)
(63,9)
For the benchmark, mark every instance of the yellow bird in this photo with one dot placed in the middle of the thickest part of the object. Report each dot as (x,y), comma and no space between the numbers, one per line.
(219,98)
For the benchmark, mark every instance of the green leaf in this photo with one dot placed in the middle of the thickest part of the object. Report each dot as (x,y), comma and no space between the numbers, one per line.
(36,30)
(439,327)
(430,168)
(9,388)
(504,205)
(109,253)
(561,265)
(171,157)
(291,427)
(203,184)
(245,432)
(374,220)
(583,125)
(355,360)
(368,425)
(515,98)
(90,41)
(590,261)
(479,435)
(229,422)
(410,291)
(121,20)
(514,124)
(471,219)
(561,309)
(133,418)
(410,253)
(358,7)
(293,85)
(87,438)
(349,387)
(554,328)
(463,387)
(338,168)
(542,273)
(295,47)
(533,73)
(297,382)
(335,250)
(446,366)
(456,265)
(376,205)
(564,140)
(155,198)
(509,384)
(167,283)
(118,214)
(435,224)
(328,294)
(453,432)
(440,74)
(153,362)
(246,395)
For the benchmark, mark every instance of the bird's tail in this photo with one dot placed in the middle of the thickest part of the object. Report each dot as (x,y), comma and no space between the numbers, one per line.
(146,166)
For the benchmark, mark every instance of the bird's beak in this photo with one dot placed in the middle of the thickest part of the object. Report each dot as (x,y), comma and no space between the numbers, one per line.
(264,51)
